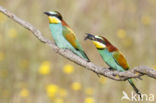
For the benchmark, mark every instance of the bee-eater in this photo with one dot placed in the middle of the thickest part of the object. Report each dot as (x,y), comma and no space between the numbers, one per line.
(111,55)
(63,35)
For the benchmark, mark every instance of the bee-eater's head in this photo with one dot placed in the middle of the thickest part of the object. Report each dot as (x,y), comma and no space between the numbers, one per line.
(98,41)
(54,17)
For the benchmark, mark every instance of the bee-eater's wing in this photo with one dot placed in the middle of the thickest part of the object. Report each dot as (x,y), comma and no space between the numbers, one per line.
(120,59)
(71,38)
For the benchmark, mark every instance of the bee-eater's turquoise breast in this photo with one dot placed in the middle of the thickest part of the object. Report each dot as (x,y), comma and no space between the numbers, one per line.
(60,41)
(108,58)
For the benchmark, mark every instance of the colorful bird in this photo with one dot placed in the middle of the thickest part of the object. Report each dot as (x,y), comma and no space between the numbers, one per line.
(63,35)
(111,55)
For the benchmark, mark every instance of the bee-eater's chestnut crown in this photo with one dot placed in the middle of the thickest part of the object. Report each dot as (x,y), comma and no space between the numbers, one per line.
(54,17)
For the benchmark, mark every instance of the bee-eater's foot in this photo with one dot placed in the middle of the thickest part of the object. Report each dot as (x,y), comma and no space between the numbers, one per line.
(111,69)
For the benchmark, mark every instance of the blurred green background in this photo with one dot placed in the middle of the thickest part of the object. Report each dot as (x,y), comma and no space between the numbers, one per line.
(31,72)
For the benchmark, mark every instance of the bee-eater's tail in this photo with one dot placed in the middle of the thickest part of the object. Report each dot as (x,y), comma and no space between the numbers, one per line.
(84,55)
(87,57)
(134,87)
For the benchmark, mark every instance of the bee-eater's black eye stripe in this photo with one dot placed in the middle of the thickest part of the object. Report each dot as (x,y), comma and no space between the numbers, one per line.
(99,40)
(58,16)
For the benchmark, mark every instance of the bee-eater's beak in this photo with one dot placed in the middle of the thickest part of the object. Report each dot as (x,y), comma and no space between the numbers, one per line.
(89,36)
(47,13)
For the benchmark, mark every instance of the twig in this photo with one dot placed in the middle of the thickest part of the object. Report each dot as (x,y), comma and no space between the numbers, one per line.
(115,75)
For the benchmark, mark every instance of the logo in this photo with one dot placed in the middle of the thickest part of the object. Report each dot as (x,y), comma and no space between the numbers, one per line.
(135,97)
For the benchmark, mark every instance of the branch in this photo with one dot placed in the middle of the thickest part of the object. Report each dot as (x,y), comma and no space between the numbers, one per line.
(136,72)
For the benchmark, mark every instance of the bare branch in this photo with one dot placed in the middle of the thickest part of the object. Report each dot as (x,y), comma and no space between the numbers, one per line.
(115,75)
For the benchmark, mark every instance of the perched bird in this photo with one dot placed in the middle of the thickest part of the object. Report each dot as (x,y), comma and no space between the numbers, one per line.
(111,55)
(63,35)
